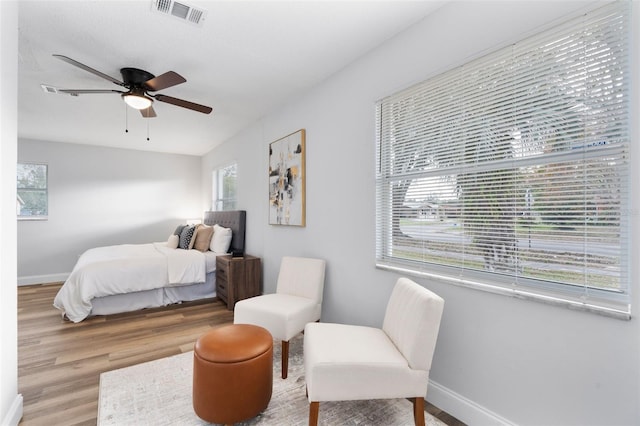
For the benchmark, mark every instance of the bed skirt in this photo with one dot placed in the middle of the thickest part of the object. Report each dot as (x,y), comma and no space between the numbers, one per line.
(109,305)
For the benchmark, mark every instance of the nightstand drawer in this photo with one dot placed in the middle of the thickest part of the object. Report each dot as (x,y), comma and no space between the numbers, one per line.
(221,287)
(222,267)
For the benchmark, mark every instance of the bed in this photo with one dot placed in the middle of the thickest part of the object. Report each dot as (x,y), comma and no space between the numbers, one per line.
(130,277)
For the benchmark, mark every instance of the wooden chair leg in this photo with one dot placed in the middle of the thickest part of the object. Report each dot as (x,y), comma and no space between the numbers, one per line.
(285,359)
(314,407)
(418,410)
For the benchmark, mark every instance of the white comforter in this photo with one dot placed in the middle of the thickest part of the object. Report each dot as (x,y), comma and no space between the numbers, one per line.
(126,268)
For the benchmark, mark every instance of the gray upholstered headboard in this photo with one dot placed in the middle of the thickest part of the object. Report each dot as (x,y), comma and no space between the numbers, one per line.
(234,219)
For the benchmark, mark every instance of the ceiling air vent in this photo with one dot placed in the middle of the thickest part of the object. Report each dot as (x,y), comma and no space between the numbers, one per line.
(52,89)
(49,89)
(179,10)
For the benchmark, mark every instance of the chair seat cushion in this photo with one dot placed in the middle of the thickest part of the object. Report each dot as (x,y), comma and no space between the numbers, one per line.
(283,315)
(347,362)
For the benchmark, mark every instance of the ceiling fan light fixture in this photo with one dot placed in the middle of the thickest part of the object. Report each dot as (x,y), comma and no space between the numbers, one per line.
(137,101)
(139,83)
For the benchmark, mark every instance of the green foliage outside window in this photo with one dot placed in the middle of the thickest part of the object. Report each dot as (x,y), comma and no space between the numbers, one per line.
(32,190)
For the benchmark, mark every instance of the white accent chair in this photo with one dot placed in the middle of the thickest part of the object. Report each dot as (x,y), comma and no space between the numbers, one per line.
(296,302)
(348,362)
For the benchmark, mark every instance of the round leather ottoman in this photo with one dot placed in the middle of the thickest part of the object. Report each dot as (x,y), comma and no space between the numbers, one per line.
(232,373)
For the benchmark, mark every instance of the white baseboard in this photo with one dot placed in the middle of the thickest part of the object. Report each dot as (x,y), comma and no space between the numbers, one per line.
(462,408)
(42,279)
(15,412)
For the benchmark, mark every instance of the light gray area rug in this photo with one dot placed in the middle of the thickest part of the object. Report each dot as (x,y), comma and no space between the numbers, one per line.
(159,393)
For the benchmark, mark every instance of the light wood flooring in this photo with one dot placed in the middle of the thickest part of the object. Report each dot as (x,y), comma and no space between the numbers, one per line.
(59,362)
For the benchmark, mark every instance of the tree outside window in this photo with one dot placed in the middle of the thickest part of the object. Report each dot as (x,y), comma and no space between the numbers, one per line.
(224,188)
(32,195)
(510,173)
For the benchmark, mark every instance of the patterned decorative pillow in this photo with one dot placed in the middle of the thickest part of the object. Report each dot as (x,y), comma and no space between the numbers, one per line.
(185,237)
(194,236)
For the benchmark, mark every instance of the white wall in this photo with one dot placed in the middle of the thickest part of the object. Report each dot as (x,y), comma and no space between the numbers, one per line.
(498,359)
(101,196)
(10,400)
(250,169)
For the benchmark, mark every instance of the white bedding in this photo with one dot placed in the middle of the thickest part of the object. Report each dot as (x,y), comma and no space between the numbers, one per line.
(128,268)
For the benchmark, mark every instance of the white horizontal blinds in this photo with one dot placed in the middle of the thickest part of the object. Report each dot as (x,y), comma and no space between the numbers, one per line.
(516,164)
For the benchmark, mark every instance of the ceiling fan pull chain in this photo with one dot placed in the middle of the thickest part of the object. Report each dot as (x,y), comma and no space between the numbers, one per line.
(126,119)
(148,129)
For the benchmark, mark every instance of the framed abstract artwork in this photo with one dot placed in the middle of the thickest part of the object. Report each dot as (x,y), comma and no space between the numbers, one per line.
(287,180)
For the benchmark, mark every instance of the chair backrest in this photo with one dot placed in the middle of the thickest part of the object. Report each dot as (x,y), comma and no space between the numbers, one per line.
(412,321)
(301,276)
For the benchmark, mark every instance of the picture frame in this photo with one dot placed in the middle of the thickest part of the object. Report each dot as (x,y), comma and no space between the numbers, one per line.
(287,179)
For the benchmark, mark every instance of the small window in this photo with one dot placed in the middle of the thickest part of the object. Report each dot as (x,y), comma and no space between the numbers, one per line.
(32,201)
(224,188)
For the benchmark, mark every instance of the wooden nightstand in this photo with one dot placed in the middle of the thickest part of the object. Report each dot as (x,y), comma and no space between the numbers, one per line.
(237,278)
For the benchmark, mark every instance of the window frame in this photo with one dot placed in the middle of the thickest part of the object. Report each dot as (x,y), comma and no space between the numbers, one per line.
(616,304)
(219,203)
(44,190)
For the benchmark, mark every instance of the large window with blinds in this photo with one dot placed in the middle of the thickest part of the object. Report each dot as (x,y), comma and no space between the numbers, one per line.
(510,173)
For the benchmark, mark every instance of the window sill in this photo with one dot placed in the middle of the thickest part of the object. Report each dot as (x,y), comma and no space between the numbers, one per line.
(613,312)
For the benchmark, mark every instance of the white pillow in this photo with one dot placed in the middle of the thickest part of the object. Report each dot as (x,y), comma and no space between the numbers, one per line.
(221,239)
(173,241)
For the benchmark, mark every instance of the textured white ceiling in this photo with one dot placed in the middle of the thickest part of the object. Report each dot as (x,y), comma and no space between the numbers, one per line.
(247,58)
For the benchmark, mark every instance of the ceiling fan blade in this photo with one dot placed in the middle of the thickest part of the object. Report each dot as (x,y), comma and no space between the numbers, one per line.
(89,69)
(163,81)
(87,91)
(148,113)
(184,104)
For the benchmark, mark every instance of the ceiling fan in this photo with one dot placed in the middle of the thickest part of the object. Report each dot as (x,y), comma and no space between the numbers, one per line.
(138,84)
